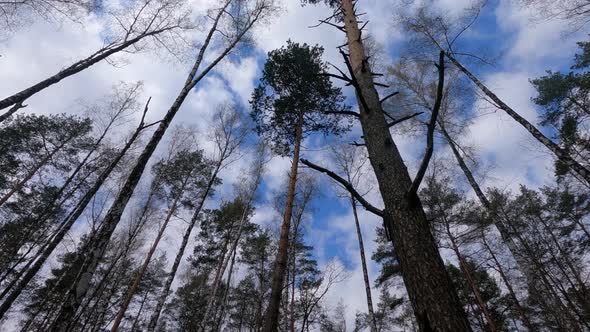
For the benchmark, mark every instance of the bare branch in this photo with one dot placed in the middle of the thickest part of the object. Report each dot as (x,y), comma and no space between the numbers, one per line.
(402,119)
(431,126)
(346,185)
(388,96)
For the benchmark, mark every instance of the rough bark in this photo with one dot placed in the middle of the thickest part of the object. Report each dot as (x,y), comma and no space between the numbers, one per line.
(271,321)
(432,295)
(372,322)
(67,225)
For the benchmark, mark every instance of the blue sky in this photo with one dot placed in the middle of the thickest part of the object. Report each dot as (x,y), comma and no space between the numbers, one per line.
(523,49)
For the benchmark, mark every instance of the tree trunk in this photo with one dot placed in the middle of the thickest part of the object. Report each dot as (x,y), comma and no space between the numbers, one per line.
(372,322)
(67,225)
(136,320)
(501,221)
(82,284)
(19,97)
(232,251)
(521,311)
(168,284)
(135,285)
(271,321)
(433,297)
(561,154)
(464,268)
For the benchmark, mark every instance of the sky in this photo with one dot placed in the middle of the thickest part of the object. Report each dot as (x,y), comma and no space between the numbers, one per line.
(523,48)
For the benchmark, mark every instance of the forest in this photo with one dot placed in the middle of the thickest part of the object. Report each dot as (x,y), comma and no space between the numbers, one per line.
(294,165)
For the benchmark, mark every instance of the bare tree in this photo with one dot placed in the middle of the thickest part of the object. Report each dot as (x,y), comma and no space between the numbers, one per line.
(142,24)
(250,14)
(350,162)
(228,135)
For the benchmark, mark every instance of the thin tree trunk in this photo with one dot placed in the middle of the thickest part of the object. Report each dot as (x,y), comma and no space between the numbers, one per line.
(33,171)
(464,268)
(135,285)
(560,153)
(433,297)
(233,249)
(83,281)
(224,300)
(136,320)
(67,225)
(168,284)
(19,97)
(372,322)
(271,322)
(521,311)
(500,221)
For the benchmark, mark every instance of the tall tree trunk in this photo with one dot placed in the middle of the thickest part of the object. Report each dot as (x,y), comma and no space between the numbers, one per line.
(232,251)
(172,274)
(560,153)
(465,269)
(501,221)
(83,281)
(271,321)
(135,285)
(372,321)
(67,225)
(519,308)
(19,97)
(433,297)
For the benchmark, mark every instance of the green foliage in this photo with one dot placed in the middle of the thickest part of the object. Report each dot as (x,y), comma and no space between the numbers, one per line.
(565,100)
(488,289)
(293,85)
(184,175)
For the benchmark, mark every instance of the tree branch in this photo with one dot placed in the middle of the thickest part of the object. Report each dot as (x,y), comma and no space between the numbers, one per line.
(431,126)
(346,185)
(351,113)
(402,119)
(388,96)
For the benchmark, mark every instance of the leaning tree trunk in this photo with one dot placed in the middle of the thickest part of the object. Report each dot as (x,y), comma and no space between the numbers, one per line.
(433,297)
(68,223)
(501,221)
(112,218)
(560,153)
(18,98)
(18,186)
(372,321)
(271,321)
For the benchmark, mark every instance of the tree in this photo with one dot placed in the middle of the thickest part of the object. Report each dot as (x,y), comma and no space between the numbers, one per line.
(564,100)
(431,292)
(242,23)
(293,100)
(228,135)
(442,35)
(130,30)
(350,163)
(180,179)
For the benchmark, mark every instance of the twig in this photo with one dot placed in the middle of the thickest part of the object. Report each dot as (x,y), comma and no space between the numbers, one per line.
(388,96)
